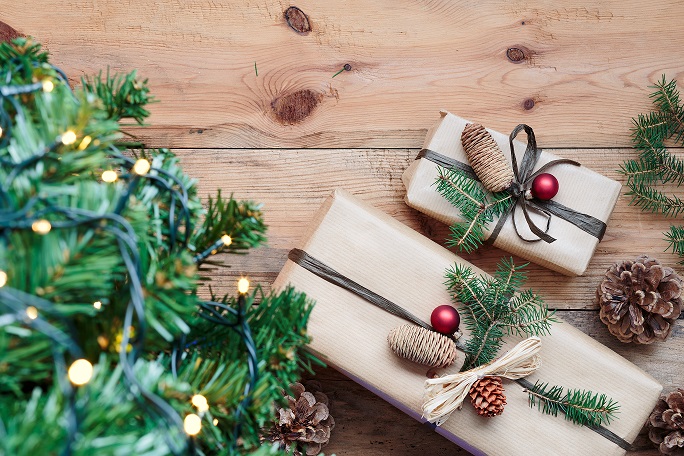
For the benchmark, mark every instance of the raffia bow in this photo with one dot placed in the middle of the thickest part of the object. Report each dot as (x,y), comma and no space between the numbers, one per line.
(446,394)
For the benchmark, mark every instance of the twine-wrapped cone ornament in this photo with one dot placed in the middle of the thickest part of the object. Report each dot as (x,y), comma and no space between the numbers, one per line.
(487,396)
(666,423)
(640,300)
(446,394)
(486,158)
(422,346)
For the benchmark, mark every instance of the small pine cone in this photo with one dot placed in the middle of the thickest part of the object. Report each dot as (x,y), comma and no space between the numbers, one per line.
(666,423)
(487,396)
(304,426)
(486,158)
(422,346)
(640,300)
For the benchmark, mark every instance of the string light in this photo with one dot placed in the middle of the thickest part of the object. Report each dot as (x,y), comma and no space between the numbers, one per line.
(192,424)
(200,402)
(215,421)
(243,286)
(3,278)
(97,305)
(41,226)
(0,131)
(68,137)
(109,176)
(85,142)
(48,86)
(32,312)
(80,372)
(141,167)
(226,240)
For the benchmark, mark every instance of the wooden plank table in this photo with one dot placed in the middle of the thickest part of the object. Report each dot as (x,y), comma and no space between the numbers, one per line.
(252,108)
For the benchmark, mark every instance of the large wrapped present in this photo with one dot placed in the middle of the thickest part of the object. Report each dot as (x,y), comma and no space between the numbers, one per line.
(353,243)
(588,198)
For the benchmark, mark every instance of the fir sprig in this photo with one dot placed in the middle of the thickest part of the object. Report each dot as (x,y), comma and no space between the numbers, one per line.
(478,207)
(656,165)
(494,307)
(582,407)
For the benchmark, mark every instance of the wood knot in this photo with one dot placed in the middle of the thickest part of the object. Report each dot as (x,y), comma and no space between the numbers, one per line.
(297,20)
(294,107)
(8,33)
(528,104)
(516,54)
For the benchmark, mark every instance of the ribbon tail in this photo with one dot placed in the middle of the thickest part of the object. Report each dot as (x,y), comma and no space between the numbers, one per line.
(541,234)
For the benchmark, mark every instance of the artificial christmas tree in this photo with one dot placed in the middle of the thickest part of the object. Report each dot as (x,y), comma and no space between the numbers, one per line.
(106,346)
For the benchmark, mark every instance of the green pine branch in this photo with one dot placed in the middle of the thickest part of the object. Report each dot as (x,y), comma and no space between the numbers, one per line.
(492,308)
(649,175)
(579,406)
(123,95)
(477,206)
(67,291)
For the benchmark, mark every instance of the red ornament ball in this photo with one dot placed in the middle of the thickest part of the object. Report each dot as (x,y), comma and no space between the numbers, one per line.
(544,186)
(445,319)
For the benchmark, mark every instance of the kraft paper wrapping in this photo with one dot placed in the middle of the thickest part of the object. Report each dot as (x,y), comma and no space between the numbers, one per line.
(394,261)
(581,189)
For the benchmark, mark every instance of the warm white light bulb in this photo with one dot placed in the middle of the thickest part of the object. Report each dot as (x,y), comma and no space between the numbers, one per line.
(97,305)
(48,86)
(243,285)
(85,142)
(80,372)
(200,402)
(41,226)
(226,239)
(109,176)
(192,424)
(215,421)
(141,167)
(0,131)
(68,137)
(3,278)
(32,312)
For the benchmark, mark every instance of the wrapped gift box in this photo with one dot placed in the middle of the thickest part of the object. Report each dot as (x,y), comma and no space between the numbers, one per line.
(581,189)
(388,258)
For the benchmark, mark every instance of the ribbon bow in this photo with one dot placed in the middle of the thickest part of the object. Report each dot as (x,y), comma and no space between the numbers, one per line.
(520,188)
(446,394)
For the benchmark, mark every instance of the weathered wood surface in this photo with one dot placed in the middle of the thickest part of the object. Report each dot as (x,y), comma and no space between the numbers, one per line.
(581,73)
(293,183)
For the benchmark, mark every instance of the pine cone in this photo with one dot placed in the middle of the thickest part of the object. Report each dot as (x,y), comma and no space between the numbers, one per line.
(304,426)
(666,423)
(640,300)
(487,396)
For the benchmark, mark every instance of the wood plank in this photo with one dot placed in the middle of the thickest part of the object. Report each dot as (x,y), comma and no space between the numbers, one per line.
(293,183)
(366,424)
(584,70)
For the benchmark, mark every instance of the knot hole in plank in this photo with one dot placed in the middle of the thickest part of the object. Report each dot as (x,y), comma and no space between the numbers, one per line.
(294,107)
(297,20)
(518,54)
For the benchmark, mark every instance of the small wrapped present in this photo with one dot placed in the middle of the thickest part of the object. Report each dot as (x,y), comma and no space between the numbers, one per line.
(573,221)
(351,244)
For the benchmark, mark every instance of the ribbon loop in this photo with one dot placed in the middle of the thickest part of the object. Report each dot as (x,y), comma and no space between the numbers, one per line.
(446,394)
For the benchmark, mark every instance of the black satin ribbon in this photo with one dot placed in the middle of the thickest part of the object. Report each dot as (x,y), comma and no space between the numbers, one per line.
(325,272)
(524,175)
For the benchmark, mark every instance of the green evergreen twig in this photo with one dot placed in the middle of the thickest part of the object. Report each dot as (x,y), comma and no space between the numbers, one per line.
(494,307)
(657,166)
(478,207)
(579,406)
